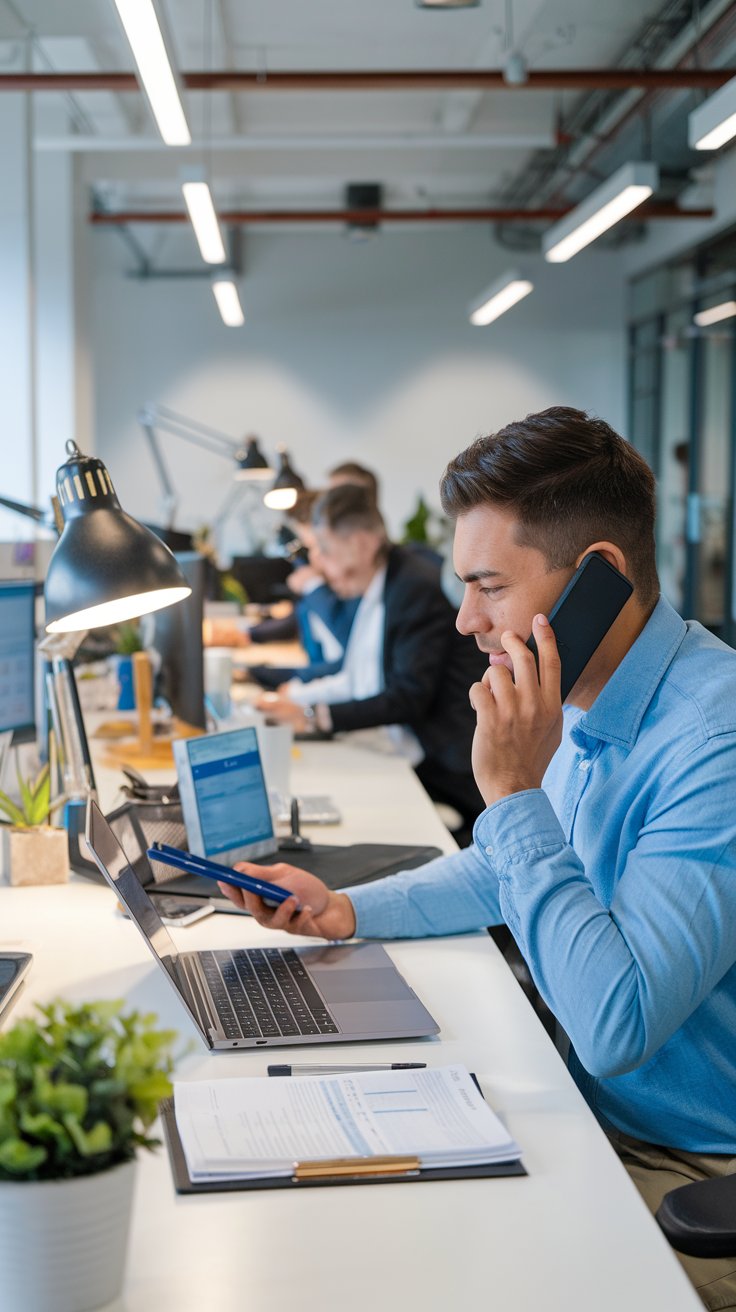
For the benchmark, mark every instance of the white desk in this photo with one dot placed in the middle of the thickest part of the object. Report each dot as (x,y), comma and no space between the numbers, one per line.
(573,1235)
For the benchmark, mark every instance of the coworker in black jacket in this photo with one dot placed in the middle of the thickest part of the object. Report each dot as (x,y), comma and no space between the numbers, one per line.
(405,664)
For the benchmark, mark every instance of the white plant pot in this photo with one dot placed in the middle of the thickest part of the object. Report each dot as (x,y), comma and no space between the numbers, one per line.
(63,1242)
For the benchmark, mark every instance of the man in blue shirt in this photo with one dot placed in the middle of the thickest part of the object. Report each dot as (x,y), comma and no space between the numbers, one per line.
(608,843)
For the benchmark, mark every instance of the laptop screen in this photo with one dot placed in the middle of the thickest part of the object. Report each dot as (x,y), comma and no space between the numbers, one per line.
(224,796)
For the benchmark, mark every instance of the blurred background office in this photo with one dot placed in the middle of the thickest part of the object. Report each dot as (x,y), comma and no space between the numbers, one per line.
(382,189)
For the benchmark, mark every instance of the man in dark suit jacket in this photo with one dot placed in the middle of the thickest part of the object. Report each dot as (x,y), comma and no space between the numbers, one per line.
(405,664)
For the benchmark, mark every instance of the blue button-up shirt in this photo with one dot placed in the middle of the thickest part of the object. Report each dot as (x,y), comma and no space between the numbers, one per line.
(618,881)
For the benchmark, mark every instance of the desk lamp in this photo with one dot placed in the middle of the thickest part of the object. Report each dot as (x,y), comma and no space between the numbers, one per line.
(287,484)
(252,464)
(106,568)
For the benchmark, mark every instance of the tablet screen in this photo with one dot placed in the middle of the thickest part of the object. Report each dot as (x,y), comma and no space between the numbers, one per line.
(223,778)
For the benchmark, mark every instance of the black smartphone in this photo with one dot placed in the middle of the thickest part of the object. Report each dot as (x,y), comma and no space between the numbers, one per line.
(13,968)
(583,614)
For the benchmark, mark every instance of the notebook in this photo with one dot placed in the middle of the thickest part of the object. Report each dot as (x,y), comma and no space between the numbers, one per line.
(257,997)
(366,1125)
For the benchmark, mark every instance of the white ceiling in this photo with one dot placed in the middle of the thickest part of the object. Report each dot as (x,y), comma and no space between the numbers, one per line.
(297,148)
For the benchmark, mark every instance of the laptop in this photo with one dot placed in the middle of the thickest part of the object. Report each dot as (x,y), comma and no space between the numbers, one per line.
(268,997)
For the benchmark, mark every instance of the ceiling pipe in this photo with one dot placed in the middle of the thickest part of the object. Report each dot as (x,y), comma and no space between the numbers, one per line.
(578,79)
(101,218)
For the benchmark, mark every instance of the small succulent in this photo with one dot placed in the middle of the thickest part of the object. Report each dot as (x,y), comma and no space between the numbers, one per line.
(35,801)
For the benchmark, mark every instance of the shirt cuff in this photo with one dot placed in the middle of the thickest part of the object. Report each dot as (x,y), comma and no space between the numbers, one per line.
(517,827)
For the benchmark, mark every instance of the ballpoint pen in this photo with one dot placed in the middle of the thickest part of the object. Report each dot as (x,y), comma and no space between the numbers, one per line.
(347,1070)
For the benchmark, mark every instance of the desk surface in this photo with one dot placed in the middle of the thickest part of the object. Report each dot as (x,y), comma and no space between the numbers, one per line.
(573,1235)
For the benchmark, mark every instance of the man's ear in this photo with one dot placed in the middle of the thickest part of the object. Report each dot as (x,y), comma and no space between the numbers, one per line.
(610,552)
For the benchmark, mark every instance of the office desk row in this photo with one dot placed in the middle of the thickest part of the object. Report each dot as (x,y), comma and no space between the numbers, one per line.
(573,1235)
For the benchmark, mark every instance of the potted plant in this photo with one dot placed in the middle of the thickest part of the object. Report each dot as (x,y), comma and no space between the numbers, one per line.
(127,641)
(33,851)
(79,1090)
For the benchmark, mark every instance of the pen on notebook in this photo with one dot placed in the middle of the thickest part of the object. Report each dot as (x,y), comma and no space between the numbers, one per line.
(347,1070)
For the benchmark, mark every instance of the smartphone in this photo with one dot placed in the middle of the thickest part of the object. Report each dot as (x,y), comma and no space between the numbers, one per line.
(13,968)
(180,910)
(583,614)
(272,894)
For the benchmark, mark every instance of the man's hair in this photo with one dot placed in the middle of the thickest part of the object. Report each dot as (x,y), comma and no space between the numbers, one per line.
(351,472)
(570,480)
(301,511)
(348,508)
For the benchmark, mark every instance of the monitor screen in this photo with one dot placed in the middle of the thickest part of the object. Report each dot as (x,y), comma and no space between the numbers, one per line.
(17,648)
(177,637)
(223,795)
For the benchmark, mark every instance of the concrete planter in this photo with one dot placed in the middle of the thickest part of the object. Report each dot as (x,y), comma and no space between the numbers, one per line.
(35,856)
(63,1242)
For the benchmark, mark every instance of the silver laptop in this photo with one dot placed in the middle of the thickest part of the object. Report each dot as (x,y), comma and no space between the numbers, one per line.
(265,997)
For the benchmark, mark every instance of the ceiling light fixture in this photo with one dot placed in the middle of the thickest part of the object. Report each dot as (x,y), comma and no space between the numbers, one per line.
(198,200)
(228,302)
(713,123)
(606,206)
(498,298)
(143,30)
(447,4)
(715,313)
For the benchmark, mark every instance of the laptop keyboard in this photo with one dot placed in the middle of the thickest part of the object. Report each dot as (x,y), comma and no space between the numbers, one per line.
(264,993)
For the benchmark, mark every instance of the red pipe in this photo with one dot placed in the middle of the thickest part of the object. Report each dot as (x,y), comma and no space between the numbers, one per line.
(580,79)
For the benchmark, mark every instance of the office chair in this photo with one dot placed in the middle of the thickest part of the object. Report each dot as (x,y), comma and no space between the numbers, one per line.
(700,1218)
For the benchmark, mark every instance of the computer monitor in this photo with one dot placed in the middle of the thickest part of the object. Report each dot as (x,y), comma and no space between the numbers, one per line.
(177,637)
(263,577)
(174,538)
(17,659)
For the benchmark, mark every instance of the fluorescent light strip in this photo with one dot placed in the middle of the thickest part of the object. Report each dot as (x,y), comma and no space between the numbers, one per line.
(496,303)
(726,310)
(228,303)
(149,51)
(713,123)
(198,200)
(606,206)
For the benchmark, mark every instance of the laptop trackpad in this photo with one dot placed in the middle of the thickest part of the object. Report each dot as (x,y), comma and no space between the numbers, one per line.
(356,985)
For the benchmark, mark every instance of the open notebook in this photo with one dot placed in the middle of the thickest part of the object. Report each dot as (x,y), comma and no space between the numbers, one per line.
(368,1123)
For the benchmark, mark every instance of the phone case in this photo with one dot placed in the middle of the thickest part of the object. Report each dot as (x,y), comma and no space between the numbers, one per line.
(583,614)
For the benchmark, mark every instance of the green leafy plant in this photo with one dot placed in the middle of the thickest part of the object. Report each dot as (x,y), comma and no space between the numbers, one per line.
(418,527)
(79,1089)
(127,639)
(231,589)
(35,801)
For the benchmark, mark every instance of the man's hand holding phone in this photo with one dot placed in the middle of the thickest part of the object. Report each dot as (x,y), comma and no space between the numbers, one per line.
(519,717)
(313,910)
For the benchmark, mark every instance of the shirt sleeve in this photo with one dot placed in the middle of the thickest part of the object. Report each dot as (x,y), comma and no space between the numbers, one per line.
(622,979)
(450,895)
(330,689)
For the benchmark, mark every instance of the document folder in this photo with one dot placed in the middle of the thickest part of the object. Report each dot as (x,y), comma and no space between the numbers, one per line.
(338,1171)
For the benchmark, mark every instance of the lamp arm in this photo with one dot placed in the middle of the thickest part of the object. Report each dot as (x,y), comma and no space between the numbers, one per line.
(153,418)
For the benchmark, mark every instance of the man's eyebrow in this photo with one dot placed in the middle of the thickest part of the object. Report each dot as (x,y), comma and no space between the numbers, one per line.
(477,574)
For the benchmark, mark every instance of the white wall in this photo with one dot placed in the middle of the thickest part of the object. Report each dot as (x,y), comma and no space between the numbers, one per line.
(348,352)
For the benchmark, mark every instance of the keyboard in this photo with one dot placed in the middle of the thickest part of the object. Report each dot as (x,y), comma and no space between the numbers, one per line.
(264,993)
(313,809)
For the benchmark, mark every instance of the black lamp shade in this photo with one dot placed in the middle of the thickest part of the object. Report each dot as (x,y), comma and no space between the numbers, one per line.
(106,567)
(252,464)
(283,492)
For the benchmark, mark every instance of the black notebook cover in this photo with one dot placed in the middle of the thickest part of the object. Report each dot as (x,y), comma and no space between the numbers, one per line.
(184,1185)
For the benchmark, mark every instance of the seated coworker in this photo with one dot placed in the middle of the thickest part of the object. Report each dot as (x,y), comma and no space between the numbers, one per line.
(405,664)
(608,843)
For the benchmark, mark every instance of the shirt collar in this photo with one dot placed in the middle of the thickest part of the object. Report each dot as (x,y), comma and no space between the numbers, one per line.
(619,708)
